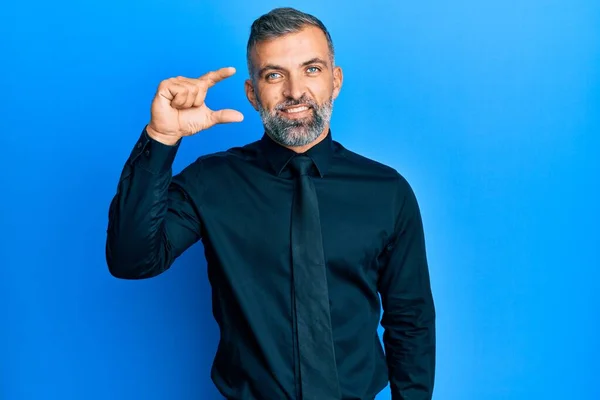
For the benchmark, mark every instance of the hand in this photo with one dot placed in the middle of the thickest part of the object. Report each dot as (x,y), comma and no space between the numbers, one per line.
(178,108)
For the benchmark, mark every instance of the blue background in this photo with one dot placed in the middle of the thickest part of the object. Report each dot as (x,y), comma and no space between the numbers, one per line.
(490,109)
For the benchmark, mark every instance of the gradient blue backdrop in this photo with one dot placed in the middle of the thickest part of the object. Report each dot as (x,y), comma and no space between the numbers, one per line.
(491,109)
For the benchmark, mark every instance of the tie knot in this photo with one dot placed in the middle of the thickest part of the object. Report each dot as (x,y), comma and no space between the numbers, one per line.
(301,164)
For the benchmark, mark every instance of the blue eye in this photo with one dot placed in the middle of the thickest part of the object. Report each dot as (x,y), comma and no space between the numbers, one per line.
(271,75)
(314,70)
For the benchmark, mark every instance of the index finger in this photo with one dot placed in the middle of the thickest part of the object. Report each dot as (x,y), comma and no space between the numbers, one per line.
(213,77)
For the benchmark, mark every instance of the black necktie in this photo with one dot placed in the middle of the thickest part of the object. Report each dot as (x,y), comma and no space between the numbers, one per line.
(318,370)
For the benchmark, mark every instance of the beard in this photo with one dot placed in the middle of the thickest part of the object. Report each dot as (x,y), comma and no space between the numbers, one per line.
(296,132)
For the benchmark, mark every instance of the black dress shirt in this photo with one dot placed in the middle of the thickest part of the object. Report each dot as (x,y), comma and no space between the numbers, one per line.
(238,203)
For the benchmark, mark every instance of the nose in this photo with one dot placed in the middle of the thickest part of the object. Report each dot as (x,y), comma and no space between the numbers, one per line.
(294,88)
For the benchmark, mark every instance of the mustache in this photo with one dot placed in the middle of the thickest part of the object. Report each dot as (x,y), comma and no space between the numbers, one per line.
(296,102)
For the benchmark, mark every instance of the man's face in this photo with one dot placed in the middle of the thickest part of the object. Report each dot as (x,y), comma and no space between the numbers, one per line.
(294,86)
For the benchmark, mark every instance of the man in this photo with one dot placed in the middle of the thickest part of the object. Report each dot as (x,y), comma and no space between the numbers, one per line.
(301,235)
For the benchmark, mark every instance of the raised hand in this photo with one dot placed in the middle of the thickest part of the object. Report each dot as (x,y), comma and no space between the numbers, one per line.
(178,108)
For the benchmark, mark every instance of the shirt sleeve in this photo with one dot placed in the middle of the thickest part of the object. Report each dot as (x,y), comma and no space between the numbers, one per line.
(153,217)
(408,307)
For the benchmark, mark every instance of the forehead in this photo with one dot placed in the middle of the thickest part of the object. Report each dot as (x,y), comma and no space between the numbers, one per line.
(292,49)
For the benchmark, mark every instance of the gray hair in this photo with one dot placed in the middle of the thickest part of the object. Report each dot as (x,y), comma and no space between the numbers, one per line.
(279,22)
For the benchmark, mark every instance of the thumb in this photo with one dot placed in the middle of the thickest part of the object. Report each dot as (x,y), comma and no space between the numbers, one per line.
(226,116)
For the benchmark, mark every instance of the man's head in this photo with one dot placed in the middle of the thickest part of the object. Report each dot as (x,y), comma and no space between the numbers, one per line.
(293,79)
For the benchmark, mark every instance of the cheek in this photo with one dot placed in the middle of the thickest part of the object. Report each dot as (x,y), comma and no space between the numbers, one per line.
(269,97)
(322,91)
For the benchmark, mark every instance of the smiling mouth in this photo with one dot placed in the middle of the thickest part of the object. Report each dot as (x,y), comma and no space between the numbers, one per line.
(295,110)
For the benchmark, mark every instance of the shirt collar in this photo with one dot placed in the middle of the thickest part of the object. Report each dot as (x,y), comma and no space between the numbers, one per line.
(278,156)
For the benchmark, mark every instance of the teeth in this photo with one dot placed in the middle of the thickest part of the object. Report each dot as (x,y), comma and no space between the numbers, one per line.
(296,109)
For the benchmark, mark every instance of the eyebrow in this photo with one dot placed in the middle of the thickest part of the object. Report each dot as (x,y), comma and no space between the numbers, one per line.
(315,60)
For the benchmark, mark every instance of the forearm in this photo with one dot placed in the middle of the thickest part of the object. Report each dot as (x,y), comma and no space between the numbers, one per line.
(409,340)
(136,245)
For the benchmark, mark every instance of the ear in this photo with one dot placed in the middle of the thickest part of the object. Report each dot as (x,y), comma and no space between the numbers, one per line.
(338,79)
(250,93)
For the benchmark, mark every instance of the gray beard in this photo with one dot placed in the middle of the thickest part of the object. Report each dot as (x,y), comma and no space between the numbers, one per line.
(297,132)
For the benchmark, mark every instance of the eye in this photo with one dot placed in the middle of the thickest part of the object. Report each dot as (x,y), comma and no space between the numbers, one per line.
(313,70)
(273,75)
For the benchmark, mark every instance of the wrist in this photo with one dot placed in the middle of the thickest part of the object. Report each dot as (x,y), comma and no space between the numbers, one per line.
(167,140)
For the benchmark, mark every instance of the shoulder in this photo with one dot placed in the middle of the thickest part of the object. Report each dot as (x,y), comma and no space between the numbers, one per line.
(216,165)
(353,159)
(224,158)
(377,171)
(221,161)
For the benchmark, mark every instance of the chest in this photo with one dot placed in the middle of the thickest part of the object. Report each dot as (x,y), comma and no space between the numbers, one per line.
(250,223)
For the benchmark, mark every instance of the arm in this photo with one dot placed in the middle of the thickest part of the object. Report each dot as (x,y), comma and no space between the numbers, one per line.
(152,219)
(408,306)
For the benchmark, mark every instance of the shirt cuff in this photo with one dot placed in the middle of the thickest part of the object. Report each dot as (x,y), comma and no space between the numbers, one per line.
(153,155)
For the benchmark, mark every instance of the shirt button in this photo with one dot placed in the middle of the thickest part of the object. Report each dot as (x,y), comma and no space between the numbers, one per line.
(147,153)
(139,145)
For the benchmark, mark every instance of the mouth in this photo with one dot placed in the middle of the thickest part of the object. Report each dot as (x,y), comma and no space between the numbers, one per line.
(299,111)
